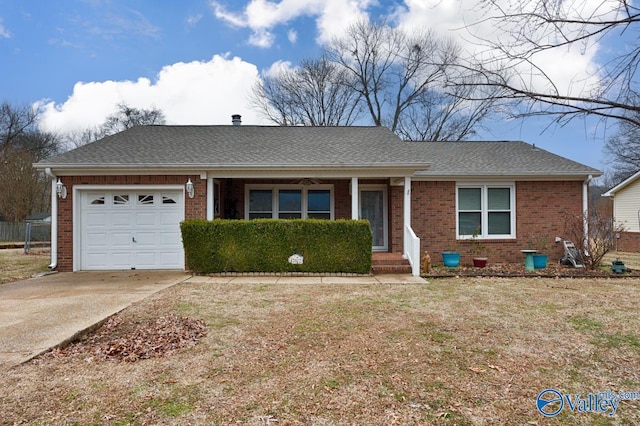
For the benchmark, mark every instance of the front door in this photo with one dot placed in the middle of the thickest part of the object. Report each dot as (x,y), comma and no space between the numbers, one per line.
(373,207)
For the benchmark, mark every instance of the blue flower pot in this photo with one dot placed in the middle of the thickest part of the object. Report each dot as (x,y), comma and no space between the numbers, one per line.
(540,261)
(451,259)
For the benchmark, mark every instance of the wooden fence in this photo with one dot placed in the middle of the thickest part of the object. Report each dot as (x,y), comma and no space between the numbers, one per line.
(18,232)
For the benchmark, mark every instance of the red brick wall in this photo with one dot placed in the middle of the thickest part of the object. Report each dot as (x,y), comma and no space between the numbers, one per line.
(194,207)
(540,209)
(629,242)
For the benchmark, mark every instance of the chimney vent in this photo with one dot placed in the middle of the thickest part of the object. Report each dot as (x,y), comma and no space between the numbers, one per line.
(236,119)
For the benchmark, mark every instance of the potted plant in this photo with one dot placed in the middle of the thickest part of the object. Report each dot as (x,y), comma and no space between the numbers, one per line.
(478,251)
(451,258)
(539,243)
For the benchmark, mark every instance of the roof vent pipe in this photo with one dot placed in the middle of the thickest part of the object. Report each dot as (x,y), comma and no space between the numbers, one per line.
(236,119)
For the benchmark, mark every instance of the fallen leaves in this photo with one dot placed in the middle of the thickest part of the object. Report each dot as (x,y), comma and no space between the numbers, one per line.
(157,338)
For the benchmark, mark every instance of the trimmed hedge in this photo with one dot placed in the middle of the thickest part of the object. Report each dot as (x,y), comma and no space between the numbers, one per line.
(265,245)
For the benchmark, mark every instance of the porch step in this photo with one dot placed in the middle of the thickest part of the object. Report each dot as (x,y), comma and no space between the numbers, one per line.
(389,263)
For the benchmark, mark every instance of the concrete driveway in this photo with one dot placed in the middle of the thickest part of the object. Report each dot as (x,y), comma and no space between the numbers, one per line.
(40,313)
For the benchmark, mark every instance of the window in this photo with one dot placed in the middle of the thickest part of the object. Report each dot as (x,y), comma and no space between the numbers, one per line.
(289,202)
(486,211)
(99,200)
(145,199)
(120,200)
(318,204)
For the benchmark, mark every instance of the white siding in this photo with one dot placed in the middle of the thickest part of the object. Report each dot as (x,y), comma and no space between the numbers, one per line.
(626,207)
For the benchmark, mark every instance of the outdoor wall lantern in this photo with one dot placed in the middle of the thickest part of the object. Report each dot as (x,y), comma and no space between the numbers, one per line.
(61,190)
(189,188)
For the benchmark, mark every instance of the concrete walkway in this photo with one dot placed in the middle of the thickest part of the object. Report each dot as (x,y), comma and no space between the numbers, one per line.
(267,279)
(40,313)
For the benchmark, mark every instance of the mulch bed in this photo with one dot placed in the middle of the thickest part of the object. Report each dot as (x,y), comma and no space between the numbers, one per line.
(553,270)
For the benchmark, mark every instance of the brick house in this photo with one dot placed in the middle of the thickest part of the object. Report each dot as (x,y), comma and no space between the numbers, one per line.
(626,212)
(117,202)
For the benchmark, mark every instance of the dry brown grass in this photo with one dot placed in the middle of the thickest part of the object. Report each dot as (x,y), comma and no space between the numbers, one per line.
(454,351)
(16,265)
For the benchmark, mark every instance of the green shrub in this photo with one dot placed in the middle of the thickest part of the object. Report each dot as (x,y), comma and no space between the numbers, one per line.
(265,245)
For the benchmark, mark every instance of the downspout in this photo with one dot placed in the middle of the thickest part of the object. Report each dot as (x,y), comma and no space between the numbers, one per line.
(54,220)
(585,210)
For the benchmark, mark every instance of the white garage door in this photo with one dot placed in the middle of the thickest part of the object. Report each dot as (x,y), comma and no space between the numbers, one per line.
(131,230)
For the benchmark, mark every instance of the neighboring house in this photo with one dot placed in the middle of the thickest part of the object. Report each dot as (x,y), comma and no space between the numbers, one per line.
(626,212)
(44,217)
(127,193)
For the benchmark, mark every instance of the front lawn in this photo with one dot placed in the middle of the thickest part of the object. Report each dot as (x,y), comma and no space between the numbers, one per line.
(455,351)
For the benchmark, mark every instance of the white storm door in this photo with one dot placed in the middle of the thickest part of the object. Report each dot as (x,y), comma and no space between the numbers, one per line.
(373,207)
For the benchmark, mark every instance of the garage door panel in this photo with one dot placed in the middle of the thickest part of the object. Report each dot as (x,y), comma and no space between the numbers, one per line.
(96,219)
(146,260)
(121,259)
(131,230)
(146,218)
(170,258)
(121,240)
(146,239)
(97,239)
(170,238)
(96,260)
(169,218)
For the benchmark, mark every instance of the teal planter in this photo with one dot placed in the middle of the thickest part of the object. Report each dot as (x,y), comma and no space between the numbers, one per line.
(540,261)
(451,259)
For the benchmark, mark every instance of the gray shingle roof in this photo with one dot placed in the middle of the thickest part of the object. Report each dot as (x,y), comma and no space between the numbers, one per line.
(498,158)
(245,146)
(274,147)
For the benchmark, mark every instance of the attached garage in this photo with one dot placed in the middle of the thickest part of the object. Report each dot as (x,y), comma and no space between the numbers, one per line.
(128,228)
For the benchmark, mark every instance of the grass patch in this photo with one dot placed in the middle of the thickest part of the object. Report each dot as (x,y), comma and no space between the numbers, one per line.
(16,265)
(455,351)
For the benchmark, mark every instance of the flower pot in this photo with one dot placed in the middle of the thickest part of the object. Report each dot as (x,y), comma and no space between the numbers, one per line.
(540,261)
(480,262)
(451,259)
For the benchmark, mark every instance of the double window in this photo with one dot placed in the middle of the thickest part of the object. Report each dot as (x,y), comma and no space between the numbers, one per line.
(485,210)
(289,202)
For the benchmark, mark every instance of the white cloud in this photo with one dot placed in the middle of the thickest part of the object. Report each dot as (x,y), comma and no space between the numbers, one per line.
(193,20)
(277,67)
(573,69)
(4,32)
(188,93)
(262,38)
(292,35)
(261,16)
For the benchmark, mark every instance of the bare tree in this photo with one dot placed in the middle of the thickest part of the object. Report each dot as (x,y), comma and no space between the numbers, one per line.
(123,118)
(600,238)
(536,27)
(126,117)
(404,81)
(21,144)
(314,94)
(623,149)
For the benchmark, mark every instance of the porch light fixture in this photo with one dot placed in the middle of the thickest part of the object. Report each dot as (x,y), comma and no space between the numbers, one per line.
(61,190)
(189,188)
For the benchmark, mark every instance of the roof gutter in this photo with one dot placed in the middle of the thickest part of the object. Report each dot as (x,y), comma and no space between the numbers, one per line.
(54,220)
(585,211)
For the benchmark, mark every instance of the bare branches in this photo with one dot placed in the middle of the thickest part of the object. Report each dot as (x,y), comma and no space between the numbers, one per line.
(127,117)
(531,30)
(317,93)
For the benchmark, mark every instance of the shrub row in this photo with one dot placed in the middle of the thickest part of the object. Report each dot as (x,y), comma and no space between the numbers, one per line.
(265,245)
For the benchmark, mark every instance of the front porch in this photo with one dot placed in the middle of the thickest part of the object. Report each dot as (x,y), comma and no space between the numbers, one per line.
(384,202)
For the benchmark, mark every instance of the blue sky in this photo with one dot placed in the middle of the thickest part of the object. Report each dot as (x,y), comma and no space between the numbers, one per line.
(197,59)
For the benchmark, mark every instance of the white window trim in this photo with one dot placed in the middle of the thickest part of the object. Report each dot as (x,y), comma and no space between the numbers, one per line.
(485,209)
(303,188)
